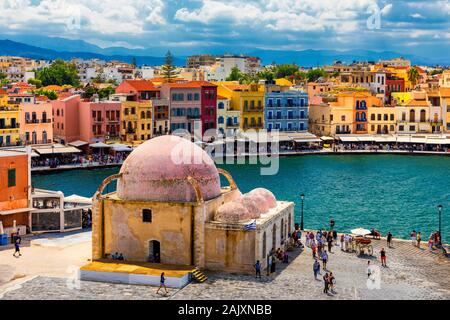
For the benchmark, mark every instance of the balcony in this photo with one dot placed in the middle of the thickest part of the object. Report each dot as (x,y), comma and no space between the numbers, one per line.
(16,126)
(193,116)
(253,126)
(255,109)
(232,125)
(287,118)
(31,142)
(98,120)
(130,131)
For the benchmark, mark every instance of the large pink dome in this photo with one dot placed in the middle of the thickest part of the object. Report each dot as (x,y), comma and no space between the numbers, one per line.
(158,170)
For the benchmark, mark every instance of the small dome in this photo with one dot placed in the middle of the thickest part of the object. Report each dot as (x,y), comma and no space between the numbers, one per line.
(158,170)
(266,199)
(251,204)
(233,211)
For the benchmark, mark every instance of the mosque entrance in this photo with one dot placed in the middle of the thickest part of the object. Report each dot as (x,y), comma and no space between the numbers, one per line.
(154,253)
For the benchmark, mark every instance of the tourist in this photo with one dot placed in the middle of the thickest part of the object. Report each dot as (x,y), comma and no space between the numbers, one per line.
(335,235)
(285,257)
(342,242)
(331,282)
(346,241)
(368,269)
(413,237)
(162,284)
(311,237)
(18,237)
(389,239)
(273,265)
(326,283)
(330,241)
(313,249)
(430,243)
(418,239)
(17,248)
(258,269)
(324,259)
(316,268)
(121,258)
(383,257)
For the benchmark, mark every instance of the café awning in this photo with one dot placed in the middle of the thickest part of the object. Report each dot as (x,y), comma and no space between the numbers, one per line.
(74,198)
(349,139)
(99,145)
(45,151)
(437,141)
(77,143)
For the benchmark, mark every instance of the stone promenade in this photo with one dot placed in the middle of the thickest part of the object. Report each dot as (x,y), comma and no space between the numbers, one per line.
(412,273)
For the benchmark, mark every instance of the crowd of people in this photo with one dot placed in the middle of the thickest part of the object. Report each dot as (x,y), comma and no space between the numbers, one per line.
(411,147)
(78,160)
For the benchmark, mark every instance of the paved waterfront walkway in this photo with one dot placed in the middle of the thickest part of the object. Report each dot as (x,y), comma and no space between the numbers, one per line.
(412,273)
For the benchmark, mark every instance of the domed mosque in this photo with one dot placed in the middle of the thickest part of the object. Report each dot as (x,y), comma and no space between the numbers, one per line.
(170,208)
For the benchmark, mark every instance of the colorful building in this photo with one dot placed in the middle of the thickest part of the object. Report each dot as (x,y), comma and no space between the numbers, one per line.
(382,120)
(444,94)
(328,118)
(414,115)
(36,125)
(193,105)
(248,99)
(137,121)
(228,120)
(99,121)
(66,126)
(15,180)
(285,109)
(9,125)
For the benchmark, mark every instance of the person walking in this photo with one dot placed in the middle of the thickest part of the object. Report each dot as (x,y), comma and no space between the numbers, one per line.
(325,283)
(324,259)
(17,248)
(430,243)
(331,282)
(383,257)
(389,239)
(316,268)
(257,269)
(413,237)
(269,264)
(330,241)
(418,239)
(162,284)
(342,242)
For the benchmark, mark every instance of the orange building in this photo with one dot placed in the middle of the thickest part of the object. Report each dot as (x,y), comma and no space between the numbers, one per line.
(15,190)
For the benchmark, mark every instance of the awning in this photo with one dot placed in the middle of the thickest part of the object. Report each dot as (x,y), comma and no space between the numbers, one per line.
(44,151)
(366,139)
(404,139)
(437,141)
(348,139)
(119,147)
(14,211)
(77,143)
(385,139)
(418,140)
(307,140)
(78,199)
(325,138)
(99,145)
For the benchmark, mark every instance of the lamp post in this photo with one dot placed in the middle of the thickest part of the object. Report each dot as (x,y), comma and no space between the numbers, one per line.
(440,231)
(302,197)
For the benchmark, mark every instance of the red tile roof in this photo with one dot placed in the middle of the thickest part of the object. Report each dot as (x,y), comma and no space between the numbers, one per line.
(142,85)
(190,84)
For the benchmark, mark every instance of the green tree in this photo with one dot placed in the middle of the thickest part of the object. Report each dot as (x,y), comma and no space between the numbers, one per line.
(59,73)
(105,92)
(315,74)
(285,70)
(35,82)
(235,75)
(265,74)
(99,79)
(2,76)
(413,76)
(49,94)
(168,69)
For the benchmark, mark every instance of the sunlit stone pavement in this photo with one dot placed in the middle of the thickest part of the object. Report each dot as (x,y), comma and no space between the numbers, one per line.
(412,273)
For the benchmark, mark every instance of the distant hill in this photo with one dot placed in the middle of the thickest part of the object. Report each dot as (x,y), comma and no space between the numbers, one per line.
(13,48)
(53,47)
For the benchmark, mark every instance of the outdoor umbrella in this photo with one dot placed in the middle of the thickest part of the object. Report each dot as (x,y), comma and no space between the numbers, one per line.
(360,231)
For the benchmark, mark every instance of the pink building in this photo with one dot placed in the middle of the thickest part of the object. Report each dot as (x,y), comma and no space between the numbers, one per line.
(84,120)
(36,123)
(99,121)
(65,119)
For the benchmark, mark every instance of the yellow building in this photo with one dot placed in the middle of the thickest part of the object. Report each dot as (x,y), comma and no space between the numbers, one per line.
(444,94)
(137,122)
(329,119)
(248,99)
(400,98)
(9,122)
(382,120)
(283,82)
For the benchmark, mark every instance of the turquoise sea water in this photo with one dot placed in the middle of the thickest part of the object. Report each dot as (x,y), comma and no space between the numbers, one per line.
(388,192)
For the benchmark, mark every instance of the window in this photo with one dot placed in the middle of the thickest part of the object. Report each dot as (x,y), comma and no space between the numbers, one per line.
(146,215)
(11,178)
(196,96)
(221,105)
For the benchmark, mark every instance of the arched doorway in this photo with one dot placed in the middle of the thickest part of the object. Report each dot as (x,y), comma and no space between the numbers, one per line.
(154,251)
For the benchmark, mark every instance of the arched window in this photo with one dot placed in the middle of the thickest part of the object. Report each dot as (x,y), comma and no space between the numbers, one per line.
(422,115)
(142,114)
(221,105)
(149,114)
(44,136)
(363,105)
(357,104)
(412,115)
(363,116)
(220,120)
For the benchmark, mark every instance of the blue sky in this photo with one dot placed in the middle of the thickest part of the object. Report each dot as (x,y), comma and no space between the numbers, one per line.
(420,27)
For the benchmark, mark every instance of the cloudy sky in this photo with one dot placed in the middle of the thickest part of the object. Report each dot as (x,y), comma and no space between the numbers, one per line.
(421,27)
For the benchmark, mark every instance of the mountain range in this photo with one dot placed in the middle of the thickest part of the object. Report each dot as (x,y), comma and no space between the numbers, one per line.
(51,48)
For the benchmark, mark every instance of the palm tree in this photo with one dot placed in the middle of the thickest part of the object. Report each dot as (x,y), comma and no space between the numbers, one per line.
(413,76)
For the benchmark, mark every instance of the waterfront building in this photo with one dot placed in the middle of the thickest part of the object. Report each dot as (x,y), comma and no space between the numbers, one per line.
(66,126)
(414,115)
(99,121)
(193,105)
(9,125)
(161,118)
(444,94)
(178,214)
(36,125)
(137,121)
(381,120)
(15,181)
(248,99)
(285,109)
(228,119)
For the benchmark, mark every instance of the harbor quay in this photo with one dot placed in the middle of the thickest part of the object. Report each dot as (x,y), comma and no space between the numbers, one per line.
(47,270)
